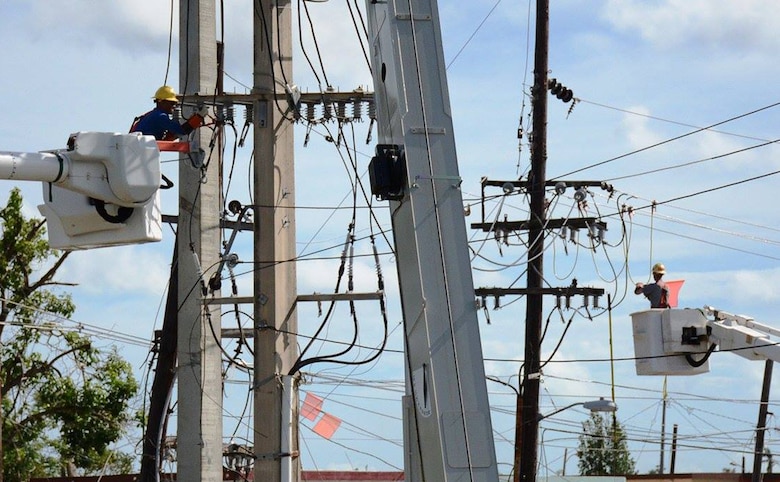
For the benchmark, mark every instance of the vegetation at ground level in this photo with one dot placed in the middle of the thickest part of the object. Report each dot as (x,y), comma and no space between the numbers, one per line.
(64,400)
(603,448)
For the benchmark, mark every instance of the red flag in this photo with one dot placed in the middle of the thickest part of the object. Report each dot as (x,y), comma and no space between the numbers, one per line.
(312,406)
(674,290)
(327,426)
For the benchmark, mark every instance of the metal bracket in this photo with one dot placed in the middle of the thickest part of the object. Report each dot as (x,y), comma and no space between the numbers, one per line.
(277,455)
(261,113)
(458,180)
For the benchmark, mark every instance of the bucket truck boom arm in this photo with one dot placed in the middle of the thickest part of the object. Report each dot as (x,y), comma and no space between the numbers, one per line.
(448,432)
(742,335)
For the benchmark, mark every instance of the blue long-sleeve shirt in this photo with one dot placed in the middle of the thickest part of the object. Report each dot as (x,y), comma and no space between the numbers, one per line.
(159,124)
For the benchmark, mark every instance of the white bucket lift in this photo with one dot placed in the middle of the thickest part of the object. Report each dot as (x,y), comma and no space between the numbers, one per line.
(679,342)
(658,341)
(100,191)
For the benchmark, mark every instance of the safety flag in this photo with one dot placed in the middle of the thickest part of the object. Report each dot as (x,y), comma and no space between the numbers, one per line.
(327,426)
(674,290)
(312,406)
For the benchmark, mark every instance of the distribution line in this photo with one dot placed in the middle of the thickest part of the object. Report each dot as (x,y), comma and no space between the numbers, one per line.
(79,327)
(657,144)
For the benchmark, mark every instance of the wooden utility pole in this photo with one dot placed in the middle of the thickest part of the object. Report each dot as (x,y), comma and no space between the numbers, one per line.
(761,425)
(164,377)
(674,450)
(199,431)
(275,402)
(663,432)
(533,318)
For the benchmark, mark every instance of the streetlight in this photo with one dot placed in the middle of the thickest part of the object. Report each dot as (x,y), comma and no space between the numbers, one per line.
(600,405)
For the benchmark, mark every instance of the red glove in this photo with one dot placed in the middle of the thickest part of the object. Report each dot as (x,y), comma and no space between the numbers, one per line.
(195,121)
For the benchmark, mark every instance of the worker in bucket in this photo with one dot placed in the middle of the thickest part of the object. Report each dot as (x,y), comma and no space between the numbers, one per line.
(656,292)
(158,122)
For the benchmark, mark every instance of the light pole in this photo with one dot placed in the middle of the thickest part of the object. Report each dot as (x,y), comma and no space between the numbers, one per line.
(600,405)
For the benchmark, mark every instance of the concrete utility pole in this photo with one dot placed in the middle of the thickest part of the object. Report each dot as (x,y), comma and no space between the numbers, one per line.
(534,305)
(199,439)
(275,402)
(447,428)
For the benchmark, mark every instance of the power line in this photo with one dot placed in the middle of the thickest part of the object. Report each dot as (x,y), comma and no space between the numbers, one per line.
(661,119)
(657,144)
(687,164)
(709,190)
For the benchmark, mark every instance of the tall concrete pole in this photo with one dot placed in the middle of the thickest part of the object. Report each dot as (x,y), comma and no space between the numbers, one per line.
(533,317)
(275,402)
(199,442)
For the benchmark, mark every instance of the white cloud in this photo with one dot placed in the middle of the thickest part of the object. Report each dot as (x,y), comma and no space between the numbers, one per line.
(124,24)
(125,269)
(714,24)
(637,128)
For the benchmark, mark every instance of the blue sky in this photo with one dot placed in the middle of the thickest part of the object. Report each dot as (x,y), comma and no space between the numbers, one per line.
(643,73)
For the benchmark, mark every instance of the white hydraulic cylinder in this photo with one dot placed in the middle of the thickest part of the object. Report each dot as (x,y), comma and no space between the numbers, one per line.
(33,166)
(120,169)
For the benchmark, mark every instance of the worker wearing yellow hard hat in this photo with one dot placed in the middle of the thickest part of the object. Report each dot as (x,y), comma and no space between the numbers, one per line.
(166,92)
(158,123)
(657,291)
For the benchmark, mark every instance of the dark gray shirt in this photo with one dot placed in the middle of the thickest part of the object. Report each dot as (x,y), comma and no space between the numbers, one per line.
(654,292)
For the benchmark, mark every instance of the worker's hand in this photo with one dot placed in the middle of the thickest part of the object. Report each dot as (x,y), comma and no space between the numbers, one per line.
(195,121)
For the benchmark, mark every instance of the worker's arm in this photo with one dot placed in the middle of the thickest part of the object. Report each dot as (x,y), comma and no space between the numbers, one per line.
(197,120)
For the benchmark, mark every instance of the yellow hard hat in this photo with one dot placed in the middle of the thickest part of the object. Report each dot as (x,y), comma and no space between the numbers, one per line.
(659,268)
(166,92)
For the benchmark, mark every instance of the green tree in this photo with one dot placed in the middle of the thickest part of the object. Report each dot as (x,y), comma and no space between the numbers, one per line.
(603,449)
(64,401)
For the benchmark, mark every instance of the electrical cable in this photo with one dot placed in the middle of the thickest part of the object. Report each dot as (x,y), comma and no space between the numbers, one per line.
(691,163)
(560,340)
(260,13)
(352,449)
(520,129)
(360,35)
(669,121)
(473,34)
(170,47)
(657,144)
(299,363)
(713,189)
(303,47)
(316,44)
(631,210)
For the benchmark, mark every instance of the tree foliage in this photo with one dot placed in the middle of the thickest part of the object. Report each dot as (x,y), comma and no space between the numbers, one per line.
(64,401)
(603,449)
